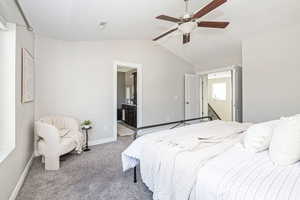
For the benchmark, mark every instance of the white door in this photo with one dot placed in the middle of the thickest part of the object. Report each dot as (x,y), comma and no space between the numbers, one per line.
(192,96)
(237,111)
(204,95)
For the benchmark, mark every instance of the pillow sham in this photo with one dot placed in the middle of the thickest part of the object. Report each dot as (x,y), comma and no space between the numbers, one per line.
(258,137)
(285,144)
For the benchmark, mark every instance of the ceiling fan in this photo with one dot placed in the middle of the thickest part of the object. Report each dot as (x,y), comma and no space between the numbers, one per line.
(188,22)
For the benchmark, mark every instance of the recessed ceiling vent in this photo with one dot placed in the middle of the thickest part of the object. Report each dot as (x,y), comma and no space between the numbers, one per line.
(102,25)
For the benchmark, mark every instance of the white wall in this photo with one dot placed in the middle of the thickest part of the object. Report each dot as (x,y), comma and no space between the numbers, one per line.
(271,75)
(76,78)
(209,48)
(12,167)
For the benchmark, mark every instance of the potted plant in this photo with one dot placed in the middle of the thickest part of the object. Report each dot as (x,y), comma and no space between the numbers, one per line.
(86,124)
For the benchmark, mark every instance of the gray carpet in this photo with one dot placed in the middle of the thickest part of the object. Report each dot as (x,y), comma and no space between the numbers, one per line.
(93,175)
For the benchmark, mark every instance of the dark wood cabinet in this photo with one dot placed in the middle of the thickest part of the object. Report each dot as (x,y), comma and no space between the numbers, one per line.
(134,88)
(130,112)
(119,114)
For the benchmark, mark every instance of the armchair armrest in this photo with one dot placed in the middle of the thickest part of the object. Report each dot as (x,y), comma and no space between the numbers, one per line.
(48,132)
(50,145)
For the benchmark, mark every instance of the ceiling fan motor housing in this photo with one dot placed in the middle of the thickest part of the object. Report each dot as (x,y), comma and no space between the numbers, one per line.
(187,16)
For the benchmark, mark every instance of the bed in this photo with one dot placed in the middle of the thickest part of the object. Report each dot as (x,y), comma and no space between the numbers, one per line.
(215,161)
(170,160)
(242,175)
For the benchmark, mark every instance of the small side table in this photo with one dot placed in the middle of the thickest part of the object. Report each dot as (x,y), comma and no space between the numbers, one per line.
(86,138)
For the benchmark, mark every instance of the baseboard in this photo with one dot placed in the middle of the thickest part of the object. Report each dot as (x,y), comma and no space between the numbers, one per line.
(20,182)
(102,141)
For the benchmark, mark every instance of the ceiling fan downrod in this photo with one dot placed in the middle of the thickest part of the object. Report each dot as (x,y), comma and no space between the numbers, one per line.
(186,7)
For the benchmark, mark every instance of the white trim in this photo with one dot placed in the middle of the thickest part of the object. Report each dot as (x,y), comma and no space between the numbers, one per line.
(20,182)
(8,141)
(217,75)
(4,153)
(102,141)
(3,24)
(218,70)
(201,95)
(233,95)
(139,93)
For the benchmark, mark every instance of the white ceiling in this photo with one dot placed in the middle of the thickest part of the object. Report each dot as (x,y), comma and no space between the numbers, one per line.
(79,19)
(135,19)
(9,11)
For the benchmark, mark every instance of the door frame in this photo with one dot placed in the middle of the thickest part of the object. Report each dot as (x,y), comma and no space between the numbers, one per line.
(236,92)
(139,93)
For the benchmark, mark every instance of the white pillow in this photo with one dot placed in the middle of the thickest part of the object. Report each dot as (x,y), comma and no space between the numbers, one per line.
(285,144)
(258,137)
(291,117)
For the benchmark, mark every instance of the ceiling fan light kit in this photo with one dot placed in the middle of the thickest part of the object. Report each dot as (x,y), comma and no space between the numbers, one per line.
(188,23)
(187,27)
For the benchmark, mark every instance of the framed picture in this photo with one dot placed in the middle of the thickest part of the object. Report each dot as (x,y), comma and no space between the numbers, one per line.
(27,76)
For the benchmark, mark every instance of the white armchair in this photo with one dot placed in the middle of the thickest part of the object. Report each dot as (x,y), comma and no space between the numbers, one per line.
(57,135)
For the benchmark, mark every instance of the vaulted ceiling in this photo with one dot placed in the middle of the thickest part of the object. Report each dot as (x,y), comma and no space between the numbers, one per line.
(212,48)
(135,19)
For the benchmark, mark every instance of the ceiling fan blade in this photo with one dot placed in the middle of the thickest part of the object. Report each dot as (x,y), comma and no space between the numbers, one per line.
(213,5)
(168,18)
(186,38)
(213,24)
(164,34)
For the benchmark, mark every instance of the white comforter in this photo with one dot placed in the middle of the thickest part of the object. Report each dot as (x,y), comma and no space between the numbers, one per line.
(170,160)
(241,175)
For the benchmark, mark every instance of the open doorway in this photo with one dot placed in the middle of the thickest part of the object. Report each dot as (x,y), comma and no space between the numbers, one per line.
(128,99)
(219,95)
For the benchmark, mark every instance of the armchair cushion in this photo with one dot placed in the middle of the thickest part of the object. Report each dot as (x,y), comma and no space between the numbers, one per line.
(63,132)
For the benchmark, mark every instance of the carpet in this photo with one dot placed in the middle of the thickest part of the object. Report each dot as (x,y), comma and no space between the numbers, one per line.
(93,175)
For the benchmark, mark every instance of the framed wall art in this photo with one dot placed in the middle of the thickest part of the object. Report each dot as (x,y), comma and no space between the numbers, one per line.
(27,76)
